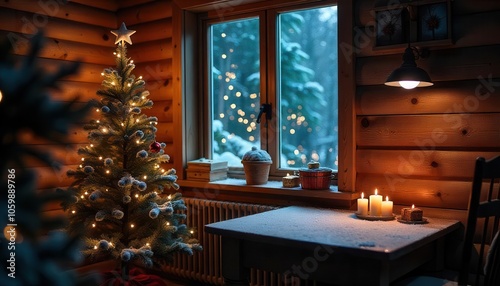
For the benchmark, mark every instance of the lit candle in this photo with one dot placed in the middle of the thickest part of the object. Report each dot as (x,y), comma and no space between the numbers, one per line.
(376,204)
(291,181)
(363,205)
(387,207)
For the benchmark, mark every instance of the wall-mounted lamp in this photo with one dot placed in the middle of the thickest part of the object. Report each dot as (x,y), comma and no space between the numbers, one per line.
(408,75)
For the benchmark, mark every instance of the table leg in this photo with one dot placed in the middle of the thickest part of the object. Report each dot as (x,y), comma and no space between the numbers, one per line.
(233,271)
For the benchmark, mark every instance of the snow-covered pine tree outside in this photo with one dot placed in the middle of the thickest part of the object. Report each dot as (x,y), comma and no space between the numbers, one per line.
(121,206)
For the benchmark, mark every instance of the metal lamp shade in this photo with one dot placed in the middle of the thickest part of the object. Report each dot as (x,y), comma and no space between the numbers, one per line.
(409,72)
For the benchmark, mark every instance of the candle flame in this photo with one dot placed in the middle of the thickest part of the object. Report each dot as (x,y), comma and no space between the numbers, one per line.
(362,195)
(287,174)
(412,206)
(376,191)
(386,198)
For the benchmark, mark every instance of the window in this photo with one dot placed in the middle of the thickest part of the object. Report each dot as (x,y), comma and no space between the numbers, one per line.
(282,63)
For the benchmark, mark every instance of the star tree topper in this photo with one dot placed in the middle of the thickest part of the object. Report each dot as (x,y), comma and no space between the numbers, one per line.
(123,35)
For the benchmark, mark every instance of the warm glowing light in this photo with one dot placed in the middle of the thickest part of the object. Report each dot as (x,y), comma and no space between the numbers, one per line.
(386,198)
(118,55)
(73,211)
(145,177)
(95,246)
(147,244)
(376,191)
(83,159)
(136,195)
(223,35)
(168,223)
(412,206)
(140,77)
(97,110)
(409,84)
(169,197)
(104,130)
(93,225)
(100,157)
(129,85)
(192,231)
(82,196)
(224,56)
(132,225)
(92,145)
(98,121)
(137,120)
(102,74)
(362,195)
(107,171)
(123,124)
(137,141)
(86,193)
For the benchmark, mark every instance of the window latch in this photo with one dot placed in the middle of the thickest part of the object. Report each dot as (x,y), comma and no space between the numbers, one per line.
(265,108)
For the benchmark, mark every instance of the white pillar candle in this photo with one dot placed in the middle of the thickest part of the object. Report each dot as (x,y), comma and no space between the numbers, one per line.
(387,207)
(376,204)
(363,205)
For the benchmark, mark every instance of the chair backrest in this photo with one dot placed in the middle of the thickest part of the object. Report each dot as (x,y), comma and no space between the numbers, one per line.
(484,213)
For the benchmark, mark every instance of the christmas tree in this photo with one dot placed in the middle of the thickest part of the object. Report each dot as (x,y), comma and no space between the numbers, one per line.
(33,248)
(119,205)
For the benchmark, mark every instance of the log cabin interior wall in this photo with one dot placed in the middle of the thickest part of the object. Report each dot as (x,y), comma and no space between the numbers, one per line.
(416,146)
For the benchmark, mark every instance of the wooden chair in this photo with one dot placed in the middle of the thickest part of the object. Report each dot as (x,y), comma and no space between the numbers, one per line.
(483,215)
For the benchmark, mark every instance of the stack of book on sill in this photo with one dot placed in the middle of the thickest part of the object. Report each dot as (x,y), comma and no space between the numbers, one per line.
(206,170)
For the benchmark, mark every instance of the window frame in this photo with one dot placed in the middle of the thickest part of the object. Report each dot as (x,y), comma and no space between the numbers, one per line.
(187,76)
(269,65)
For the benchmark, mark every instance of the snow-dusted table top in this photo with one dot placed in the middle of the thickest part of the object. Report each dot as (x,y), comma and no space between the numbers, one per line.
(310,227)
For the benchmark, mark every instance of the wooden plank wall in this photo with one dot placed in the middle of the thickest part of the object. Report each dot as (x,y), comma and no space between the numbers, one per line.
(419,146)
(80,31)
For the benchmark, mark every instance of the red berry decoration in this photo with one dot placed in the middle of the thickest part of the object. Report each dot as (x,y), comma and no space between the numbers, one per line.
(155,147)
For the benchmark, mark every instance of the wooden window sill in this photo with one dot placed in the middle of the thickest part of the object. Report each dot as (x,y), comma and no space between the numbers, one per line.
(272,193)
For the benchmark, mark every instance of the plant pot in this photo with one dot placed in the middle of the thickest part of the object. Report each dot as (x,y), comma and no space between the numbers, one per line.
(256,172)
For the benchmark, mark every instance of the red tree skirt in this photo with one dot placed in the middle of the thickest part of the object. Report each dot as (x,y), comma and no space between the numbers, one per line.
(136,278)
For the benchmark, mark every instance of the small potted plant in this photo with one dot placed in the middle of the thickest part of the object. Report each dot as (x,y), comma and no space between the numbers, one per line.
(256,164)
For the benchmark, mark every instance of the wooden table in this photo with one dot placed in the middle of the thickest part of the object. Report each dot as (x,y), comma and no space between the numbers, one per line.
(327,245)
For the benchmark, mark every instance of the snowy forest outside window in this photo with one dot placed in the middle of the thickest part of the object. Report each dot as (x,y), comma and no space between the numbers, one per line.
(296,75)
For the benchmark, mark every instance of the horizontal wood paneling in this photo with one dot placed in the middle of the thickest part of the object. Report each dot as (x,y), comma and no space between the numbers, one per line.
(151,51)
(69,11)
(472,96)
(442,65)
(435,164)
(109,5)
(152,31)
(148,12)
(470,131)
(419,146)
(408,191)
(15,21)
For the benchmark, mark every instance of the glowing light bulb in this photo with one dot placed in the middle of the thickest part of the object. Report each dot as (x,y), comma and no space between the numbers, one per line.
(73,211)
(83,159)
(136,195)
(104,130)
(168,223)
(145,177)
(86,192)
(409,84)
(129,85)
(82,196)
(137,141)
(147,244)
(169,197)
(95,246)
(140,77)
(102,74)
(118,55)
(132,225)
(97,110)
(98,121)
(100,157)
(93,225)
(192,231)
(107,171)
(91,145)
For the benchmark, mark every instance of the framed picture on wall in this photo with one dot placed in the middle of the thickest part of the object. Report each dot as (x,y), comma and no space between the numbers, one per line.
(433,22)
(390,27)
